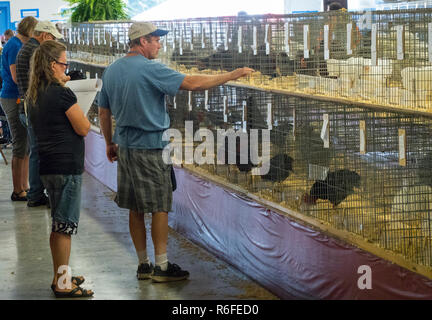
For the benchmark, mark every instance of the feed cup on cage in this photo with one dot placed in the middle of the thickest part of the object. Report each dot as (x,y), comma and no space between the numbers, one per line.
(407,98)
(360,89)
(333,67)
(352,68)
(414,78)
(378,73)
(424,98)
(320,85)
(380,95)
(393,96)
(408,78)
(306,82)
(332,85)
(326,85)
(302,81)
(345,86)
(373,75)
(423,78)
(288,82)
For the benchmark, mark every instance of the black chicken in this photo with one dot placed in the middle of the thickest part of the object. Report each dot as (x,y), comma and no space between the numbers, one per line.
(273,64)
(311,147)
(280,133)
(246,167)
(335,188)
(188,58)
(425,170)
(227,60)
(315,65)
(280,167)
(255,119)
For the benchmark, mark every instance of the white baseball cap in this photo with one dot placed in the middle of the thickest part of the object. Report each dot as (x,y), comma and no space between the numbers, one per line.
(48,27)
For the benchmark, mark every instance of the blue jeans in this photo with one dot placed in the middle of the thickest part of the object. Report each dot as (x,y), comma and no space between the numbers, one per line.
(64,192)
(36,186)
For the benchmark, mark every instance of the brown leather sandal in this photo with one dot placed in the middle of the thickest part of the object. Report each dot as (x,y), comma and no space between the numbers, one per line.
(75,280)
(74,293)
(16,196)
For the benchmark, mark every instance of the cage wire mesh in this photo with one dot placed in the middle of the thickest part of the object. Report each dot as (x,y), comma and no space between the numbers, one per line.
(361,187)
(340,160)
(380,57)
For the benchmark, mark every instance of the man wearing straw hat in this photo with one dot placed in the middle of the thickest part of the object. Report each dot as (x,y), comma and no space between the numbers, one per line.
(134,89)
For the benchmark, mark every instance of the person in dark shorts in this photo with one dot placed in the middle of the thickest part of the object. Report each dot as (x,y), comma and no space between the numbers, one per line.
(60,126)
(9,97)
(134,89)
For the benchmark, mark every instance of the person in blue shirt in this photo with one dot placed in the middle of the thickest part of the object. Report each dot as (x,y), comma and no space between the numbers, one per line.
(10,103)
(6,36)
(4,127)
(134,89)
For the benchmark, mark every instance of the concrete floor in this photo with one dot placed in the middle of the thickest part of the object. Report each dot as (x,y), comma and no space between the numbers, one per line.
(103,253)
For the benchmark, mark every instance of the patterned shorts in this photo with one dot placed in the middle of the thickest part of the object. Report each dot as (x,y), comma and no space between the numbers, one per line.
(64,193)
(143,181)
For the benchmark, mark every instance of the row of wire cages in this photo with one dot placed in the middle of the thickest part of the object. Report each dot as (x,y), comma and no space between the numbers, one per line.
(377,57)
(355,168)
(359,170)
(99,43)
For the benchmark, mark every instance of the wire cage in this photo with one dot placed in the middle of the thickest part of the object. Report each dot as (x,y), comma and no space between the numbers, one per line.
(344,98)
(378,58)
(372,177)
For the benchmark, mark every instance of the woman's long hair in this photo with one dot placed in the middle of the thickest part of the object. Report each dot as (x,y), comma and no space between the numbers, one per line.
(41,72)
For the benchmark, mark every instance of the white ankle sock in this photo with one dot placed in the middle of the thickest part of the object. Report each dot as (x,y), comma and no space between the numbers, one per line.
(162,261)
(142,257)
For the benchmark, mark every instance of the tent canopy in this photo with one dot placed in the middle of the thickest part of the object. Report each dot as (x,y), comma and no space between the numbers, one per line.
(175,9)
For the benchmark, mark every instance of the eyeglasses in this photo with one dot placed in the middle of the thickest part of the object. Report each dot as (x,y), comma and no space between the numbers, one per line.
(63,64)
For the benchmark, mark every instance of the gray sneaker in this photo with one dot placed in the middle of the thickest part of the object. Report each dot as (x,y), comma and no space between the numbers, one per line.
(172,273)
(144,271)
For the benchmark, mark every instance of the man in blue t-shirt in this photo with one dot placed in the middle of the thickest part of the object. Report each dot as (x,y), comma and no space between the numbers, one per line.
(134,89)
